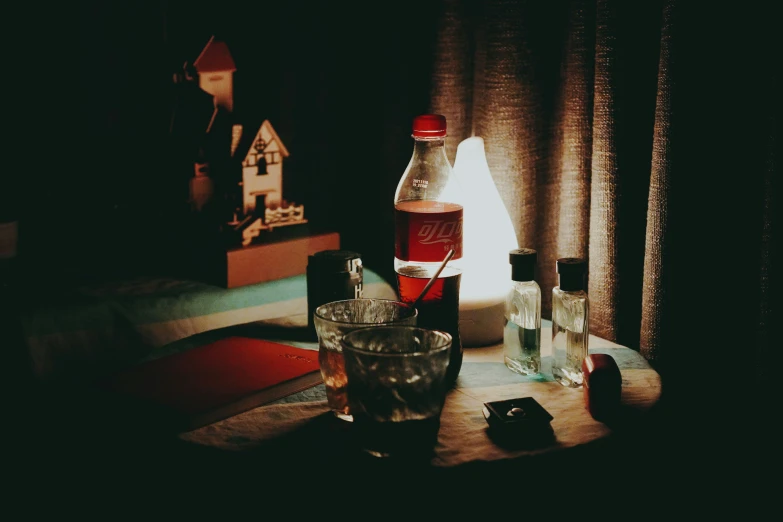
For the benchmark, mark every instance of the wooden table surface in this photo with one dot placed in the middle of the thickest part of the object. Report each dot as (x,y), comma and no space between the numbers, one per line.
(464,436)
(295,448)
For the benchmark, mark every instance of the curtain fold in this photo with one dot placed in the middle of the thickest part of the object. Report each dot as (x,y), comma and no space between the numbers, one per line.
(567,192)
(453,72)
(766,303)
(653,294)
(604,277)
(506,115)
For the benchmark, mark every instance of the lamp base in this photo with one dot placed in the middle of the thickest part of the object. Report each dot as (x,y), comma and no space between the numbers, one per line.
(482,326)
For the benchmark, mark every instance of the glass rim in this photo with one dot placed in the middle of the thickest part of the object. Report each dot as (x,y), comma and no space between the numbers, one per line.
(445,337)
(392,322)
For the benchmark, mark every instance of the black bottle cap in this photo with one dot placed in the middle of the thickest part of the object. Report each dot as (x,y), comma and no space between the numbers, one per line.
(333,260)
(523,264)
(572,272)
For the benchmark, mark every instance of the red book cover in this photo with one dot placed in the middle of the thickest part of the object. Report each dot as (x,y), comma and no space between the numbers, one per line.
(220,379)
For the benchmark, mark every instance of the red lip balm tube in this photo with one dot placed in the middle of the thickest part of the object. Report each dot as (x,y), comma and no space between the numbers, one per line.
(602,386)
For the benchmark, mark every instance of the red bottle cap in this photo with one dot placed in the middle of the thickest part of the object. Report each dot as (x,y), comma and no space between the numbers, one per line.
(429,126)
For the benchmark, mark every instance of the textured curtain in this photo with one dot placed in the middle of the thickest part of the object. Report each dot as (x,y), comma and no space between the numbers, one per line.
(638,135)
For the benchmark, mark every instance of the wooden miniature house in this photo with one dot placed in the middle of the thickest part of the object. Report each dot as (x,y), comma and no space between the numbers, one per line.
(236,181)
(262,168)
(263,205)
(215,67)
(251,177)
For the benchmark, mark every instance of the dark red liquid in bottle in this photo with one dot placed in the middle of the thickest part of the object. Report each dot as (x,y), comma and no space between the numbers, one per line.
(426,230)
(439,310)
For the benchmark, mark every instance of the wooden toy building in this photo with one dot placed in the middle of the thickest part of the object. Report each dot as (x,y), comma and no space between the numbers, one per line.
(236,179)
(249,176)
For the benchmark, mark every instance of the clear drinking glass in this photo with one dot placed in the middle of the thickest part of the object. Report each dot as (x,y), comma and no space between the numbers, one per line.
(397,387)
(334,320)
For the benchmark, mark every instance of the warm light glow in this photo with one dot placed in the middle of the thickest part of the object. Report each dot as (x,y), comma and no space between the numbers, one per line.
(488,236)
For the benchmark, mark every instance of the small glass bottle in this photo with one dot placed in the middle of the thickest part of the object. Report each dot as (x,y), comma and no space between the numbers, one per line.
(522,330)
(570,314)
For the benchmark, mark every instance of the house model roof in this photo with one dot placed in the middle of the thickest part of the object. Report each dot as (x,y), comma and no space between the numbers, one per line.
(242,142)
(215,57)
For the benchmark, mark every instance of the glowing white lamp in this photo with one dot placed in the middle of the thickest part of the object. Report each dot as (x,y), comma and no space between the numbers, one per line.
(488,236)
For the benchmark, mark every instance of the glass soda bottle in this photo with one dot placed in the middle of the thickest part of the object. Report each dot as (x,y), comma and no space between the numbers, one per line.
(428,208)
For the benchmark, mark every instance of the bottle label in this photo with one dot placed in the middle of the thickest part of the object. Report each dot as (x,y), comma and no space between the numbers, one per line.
(427,230)
(8,239)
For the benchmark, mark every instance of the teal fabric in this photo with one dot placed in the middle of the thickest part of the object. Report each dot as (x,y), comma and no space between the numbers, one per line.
(150,301)
(94,330)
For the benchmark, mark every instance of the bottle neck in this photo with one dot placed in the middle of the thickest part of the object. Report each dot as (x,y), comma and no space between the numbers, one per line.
(522,273)
(525,284)
(429,148)
(572,282)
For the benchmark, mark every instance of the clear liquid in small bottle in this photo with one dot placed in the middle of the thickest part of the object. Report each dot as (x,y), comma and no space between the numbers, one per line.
(570,332)
(522,330)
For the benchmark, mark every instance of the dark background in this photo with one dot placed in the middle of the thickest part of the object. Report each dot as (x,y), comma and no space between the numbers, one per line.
(340,85)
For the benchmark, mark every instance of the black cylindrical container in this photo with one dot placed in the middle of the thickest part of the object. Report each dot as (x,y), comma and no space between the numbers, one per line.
(332,275)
